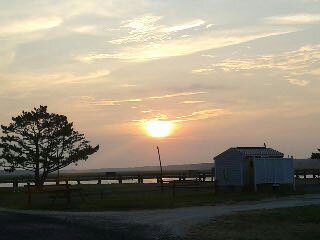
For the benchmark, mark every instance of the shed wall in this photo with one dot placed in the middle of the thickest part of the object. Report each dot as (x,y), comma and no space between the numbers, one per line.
(228,169)
(273,170)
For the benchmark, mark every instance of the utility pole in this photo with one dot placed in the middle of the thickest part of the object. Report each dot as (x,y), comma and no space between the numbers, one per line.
(161,175)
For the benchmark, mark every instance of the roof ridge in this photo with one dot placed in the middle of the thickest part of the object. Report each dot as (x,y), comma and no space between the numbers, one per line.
(251,147)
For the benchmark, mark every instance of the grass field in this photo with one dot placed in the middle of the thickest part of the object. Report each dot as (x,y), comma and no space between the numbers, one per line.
(134,196)
(124,197)
(291,223)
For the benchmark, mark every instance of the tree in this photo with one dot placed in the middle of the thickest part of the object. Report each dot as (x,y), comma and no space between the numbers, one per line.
(315,155)
(43,143)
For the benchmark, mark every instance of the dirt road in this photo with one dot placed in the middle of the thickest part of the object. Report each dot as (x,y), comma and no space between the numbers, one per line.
(126,225)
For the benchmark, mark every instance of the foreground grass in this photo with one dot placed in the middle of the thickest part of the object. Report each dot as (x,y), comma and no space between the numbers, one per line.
(291,223)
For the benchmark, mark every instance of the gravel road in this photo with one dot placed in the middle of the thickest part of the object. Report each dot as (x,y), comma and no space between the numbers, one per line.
(126,225)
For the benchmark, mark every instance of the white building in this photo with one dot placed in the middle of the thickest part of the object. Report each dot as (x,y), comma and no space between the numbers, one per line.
(251,166)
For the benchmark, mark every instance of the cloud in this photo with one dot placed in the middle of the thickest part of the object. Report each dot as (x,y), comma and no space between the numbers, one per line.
(126,85)
(209,25)
(7,58)
(146,111)
(203,114)
(176,95)
(185,26)
(29,26)
(141,29)
(184,46)
(85,29)
(146,29)
(70,78)
(107,102)
(316,72)
(192,102)
(300,83)
(24,82)
(293,65)
(112,102)
(303,18)
(194,116)
(202,70)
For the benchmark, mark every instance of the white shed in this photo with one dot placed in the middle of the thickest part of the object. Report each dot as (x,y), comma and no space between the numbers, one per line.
(249,166)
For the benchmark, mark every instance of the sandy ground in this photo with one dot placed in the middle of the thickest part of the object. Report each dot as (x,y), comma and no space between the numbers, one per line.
(126,225)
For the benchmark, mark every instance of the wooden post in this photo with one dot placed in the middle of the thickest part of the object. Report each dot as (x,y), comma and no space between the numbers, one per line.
(120,180)
(99,181)
(68,193)
(101,194)
(78,181)
(29,193)
(15,185)
(174,189)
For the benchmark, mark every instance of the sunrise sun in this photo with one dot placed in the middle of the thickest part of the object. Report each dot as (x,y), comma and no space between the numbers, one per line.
(159,128)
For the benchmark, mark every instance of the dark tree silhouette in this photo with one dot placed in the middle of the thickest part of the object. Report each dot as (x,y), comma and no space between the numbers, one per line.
(315,155)
(43,143)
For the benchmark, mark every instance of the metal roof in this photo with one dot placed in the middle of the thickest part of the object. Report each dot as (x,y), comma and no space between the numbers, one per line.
(259,151)
(254,152)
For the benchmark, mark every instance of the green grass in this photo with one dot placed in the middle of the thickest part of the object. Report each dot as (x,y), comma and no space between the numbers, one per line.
(291,223)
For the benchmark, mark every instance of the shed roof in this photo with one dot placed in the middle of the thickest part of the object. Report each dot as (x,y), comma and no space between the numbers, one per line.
(255,152)
(259,151)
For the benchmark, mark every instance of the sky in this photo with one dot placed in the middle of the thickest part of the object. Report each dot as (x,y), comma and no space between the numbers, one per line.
(227,73)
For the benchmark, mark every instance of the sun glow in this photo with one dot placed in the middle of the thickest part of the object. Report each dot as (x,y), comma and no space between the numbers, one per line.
(158,128)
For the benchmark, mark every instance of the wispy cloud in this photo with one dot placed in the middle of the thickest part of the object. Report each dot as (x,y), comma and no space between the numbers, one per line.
(293,65)
(184,46)
(107,102)
(298,82)
(303,18)
(203,114)
(85,29)
(141,29)
(192,102)
(176,95)
(23,82)
(147,29)
(113,102)
(29,26)
(7,57)
(202,70)
(193,116)
(185,26)
(126,85)
(146,111)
